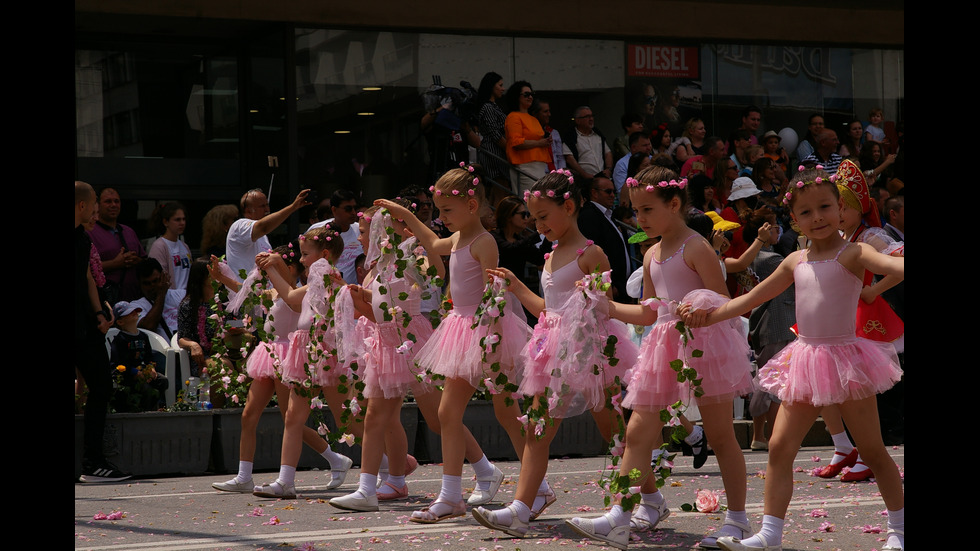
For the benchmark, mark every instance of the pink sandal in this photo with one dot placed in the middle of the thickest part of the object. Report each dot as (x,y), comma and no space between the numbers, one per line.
(397,493)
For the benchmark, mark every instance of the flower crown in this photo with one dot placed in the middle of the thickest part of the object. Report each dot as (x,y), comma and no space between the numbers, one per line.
(801,184)
(633,182)
(471,192)
(315,238)
(552,193)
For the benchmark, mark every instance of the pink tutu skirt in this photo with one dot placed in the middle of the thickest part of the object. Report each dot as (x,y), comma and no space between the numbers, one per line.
(265,360)
(388,356)
(306,361)
(824,371)
(724,369)
(454,349)
(554,366)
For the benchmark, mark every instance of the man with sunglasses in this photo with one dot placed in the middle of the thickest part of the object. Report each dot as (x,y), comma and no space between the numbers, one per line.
(596,223)
(343,206)
(247,236)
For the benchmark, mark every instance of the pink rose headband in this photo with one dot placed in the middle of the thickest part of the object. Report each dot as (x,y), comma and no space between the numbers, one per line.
(801,184)
(681,184)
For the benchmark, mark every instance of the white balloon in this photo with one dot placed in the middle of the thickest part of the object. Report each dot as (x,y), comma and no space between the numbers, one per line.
(789,139)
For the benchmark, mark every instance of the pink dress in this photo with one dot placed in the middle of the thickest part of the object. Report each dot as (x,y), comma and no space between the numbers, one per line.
(312,361)
(564,359)
(828,364)
(454,350)
(387,351)
(724,367)
(265,361)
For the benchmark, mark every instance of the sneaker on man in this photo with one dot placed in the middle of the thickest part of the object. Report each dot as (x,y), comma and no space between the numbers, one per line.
(103,472)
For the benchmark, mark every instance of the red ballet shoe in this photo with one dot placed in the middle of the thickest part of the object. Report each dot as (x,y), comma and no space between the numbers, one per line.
(857,476)
(831,471)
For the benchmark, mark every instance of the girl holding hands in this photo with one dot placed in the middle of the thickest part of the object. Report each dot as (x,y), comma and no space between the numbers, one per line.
(560,377)
(827,364)
(454,351)
(262,367)
(680,263)
(306,365)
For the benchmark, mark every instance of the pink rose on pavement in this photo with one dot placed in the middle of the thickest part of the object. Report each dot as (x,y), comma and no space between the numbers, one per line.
(707,501)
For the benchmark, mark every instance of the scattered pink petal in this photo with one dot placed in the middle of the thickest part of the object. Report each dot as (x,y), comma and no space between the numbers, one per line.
(257,512)
(799,470)
(815,459)
(869,529)
(818,513)
(826,527)
(115,515)
(584,508)
(274,521)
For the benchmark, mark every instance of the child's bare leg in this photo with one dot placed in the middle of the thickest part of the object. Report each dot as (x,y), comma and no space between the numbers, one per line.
(862,418)
(507,417)
(792,424)
(429,406)
(259,393)
(456,395)
(717,420)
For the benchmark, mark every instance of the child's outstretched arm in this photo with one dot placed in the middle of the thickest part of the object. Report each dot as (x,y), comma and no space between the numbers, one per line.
(638,314)
(270,263)
(432,243)
(877,263)
(769,289)
(741,263)
(362,301)
(528,298)
(214,268)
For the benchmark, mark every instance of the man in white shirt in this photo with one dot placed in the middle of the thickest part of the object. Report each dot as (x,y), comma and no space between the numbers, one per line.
(343,206)
(247,236)
(586,150)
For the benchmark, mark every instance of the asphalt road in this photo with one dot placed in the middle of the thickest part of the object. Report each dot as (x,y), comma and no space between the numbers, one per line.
(176,514)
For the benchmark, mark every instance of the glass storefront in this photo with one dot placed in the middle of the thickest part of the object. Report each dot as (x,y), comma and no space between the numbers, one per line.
(200,121)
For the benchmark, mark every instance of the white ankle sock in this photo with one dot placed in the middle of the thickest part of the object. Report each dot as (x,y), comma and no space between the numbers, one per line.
(335,459)
(452,489)
(896,521)
(518,508)
(367,484)
(859,466)
(483,469)
(772,530)
(396,481)
(615,517)
(540,499)
(696,433)
(287,475)
(842,445)
(244,471)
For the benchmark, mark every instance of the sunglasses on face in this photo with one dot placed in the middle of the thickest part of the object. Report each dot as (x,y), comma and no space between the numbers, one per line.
(527,94)
(524,214)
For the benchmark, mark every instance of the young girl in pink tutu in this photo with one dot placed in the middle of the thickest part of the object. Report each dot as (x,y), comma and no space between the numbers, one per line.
(307,364)
(388,344)
(262,367)
(680,263)
(565,370)
(454,351)
(827,364)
